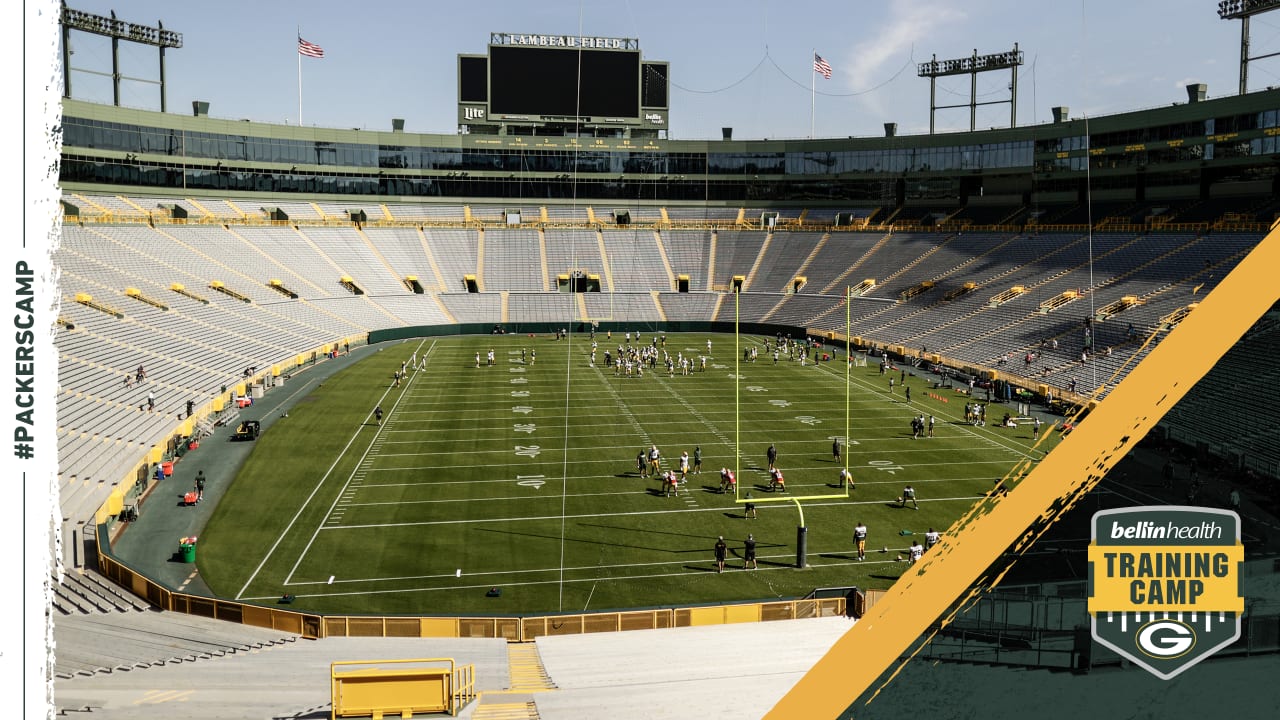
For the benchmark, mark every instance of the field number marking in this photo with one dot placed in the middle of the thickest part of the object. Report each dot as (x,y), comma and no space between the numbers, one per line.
(885,465)
(533,481)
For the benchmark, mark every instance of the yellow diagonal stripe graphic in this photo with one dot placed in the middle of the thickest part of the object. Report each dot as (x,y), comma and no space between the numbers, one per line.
(1084,457)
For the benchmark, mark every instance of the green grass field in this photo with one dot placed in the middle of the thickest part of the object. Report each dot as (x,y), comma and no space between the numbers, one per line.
(523,476)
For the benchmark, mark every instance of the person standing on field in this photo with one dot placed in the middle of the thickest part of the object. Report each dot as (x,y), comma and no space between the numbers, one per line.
(909,496)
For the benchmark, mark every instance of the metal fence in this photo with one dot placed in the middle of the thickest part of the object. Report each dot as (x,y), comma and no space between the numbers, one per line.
(510,628)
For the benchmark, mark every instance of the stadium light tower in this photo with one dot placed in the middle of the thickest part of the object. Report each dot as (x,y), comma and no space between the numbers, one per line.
(1242,10)
(971,66)
(117,30)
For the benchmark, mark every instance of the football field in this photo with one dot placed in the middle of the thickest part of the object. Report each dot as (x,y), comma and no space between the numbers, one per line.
(522,476)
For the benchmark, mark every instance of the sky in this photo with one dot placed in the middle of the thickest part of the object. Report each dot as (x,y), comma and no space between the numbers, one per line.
(745,64)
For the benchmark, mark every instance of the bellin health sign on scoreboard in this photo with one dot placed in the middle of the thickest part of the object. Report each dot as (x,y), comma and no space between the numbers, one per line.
(562,79)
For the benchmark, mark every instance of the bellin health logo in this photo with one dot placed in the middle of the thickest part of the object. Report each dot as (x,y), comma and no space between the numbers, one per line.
(1164,584)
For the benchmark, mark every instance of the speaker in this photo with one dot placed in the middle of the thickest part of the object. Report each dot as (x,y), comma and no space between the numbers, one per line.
(199,107)
(726,133)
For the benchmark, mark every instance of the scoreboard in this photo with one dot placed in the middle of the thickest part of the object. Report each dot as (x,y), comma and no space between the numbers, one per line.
(540,80)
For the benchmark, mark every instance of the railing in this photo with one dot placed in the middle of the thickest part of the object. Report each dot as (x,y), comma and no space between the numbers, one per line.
(361,688)
(963,646)
(510,628)
(1075,649)
(783,224)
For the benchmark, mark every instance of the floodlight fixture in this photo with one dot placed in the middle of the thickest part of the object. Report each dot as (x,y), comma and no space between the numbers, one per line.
(113,27)
(971,66)
(116,29)
(1236,9)
(1242,10)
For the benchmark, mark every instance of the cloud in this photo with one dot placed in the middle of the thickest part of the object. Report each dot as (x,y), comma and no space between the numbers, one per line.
(911,24)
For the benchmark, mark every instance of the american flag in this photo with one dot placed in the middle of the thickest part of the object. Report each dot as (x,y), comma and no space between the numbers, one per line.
(821,66)
(315,51)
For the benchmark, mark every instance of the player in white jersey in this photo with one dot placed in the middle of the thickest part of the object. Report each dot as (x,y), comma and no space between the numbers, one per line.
(916,551)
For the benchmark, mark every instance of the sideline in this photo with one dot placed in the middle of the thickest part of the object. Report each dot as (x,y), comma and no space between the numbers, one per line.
(307,502)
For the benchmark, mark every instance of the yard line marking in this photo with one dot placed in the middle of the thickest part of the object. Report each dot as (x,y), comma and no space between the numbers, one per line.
(623,407)
(844,550)
(630,466)
(960,426)
(611,478)
(423,523)
(424,434)
(697,414)
(479,397)
(687,573)
(316,489)
(907,443)
(329,514)
(642,492)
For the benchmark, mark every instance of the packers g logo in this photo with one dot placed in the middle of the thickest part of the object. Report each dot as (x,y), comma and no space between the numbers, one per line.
(1166,639)
(1164,584)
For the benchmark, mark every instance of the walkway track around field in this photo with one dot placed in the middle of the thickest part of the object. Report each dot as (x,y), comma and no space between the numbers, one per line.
(842,556)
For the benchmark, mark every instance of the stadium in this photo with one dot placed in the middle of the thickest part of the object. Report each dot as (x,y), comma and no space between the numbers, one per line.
(346,395)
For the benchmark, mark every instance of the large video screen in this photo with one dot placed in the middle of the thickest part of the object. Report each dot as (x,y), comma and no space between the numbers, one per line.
(473,80)
(564,82)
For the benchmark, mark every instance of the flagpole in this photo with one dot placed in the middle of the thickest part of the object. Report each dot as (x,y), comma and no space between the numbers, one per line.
(297,51)
(813,78)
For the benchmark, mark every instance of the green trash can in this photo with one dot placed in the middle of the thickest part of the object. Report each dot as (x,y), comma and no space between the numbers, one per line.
(187,551)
